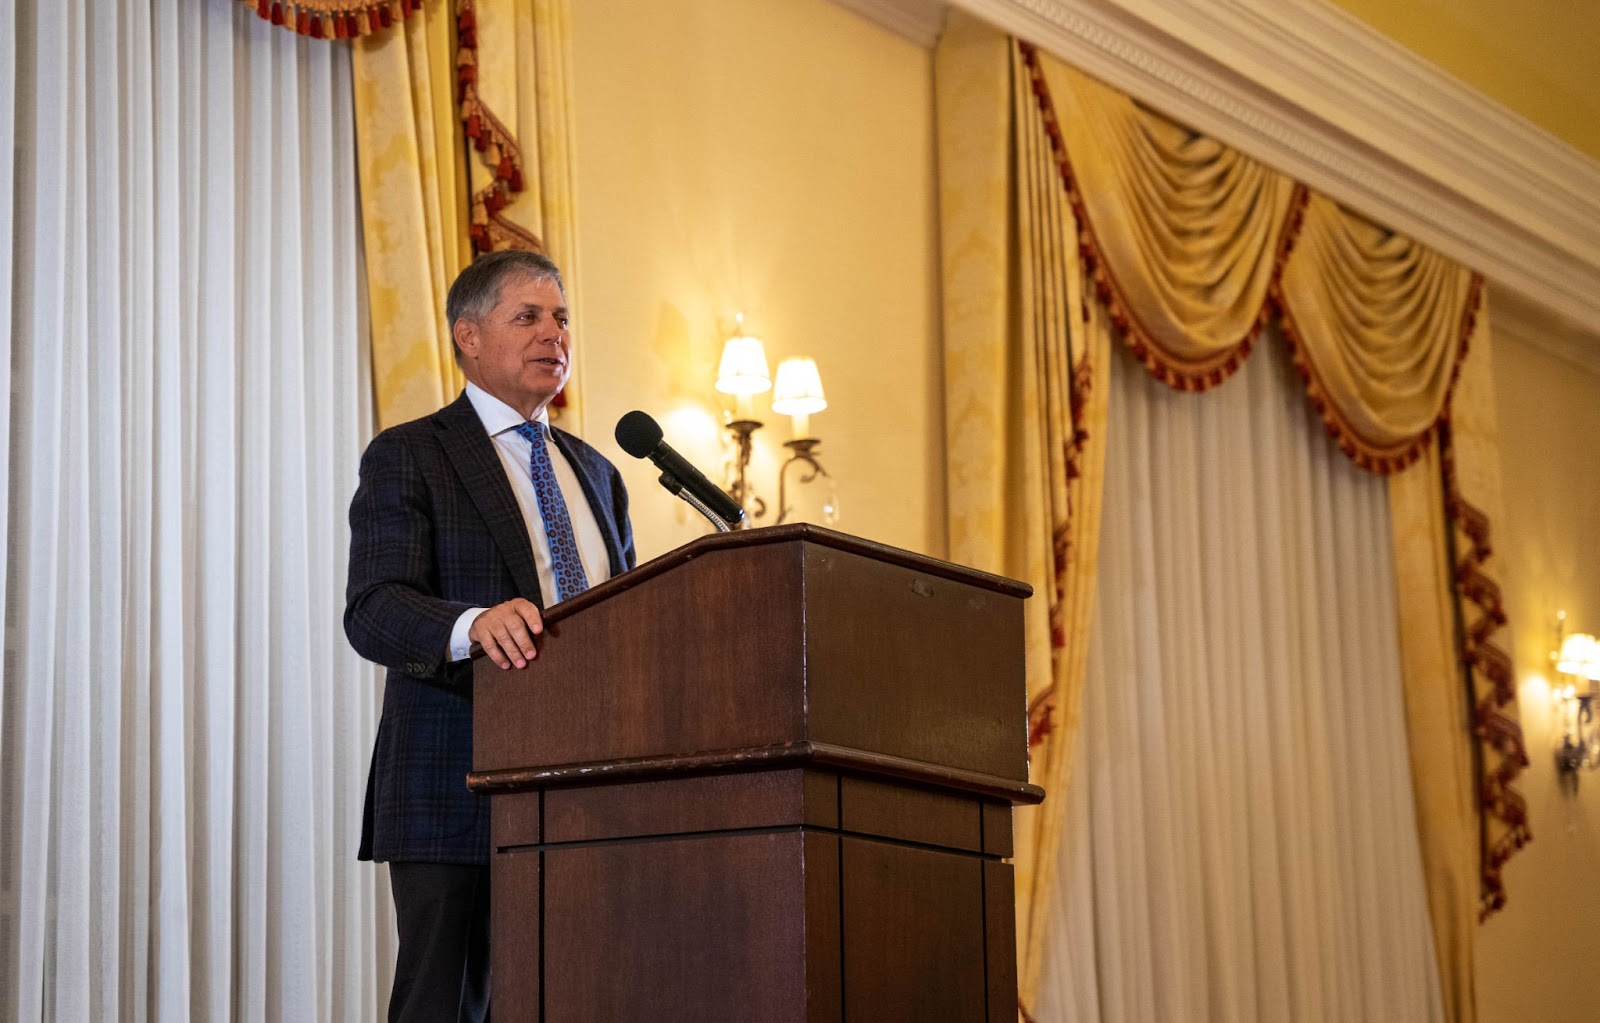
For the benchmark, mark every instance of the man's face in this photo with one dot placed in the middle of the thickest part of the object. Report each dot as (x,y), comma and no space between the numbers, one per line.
(520,352)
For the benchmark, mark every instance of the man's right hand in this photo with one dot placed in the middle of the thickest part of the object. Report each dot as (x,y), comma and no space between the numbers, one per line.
(506,632)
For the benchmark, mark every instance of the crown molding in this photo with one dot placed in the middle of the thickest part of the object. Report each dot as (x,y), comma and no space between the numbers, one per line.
(1312,91)
(1516,319)
(920,21)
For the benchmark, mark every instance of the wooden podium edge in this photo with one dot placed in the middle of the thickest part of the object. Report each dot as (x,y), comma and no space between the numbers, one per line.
(803,531)
(821,754)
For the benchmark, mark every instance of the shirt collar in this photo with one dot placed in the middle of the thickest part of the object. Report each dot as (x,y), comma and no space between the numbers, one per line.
(498,417)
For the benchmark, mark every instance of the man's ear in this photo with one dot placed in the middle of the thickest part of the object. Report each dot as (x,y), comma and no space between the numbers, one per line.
(465,333)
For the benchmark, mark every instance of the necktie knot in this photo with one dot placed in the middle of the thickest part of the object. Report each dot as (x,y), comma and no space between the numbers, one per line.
(531,432)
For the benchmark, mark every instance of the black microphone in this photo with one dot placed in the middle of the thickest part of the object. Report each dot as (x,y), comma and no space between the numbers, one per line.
(640,436)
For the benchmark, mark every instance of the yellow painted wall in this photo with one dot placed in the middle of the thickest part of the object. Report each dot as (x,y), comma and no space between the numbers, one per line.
(773,157)
(1541,58)
(1536,959)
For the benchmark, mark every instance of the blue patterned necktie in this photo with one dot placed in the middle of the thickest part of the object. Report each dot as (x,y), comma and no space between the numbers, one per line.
(565,564)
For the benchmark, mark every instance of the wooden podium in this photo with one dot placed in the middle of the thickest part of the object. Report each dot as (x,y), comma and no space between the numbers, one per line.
(766,777)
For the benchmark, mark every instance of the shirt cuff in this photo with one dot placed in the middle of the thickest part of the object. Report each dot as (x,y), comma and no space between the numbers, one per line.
(460,645)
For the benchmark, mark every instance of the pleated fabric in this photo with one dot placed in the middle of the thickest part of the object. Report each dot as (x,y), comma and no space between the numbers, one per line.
(1241,841)
(185,731)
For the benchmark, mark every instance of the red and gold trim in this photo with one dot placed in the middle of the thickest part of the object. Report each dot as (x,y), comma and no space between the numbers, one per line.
(496,145)
(334,19)
(1492,688)
(1061,535)
(488,227)
(1041,716)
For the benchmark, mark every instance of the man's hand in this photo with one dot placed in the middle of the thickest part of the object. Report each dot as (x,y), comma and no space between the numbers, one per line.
(506,632)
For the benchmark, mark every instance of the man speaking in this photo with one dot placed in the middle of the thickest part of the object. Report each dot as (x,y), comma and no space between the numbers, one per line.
(467,522)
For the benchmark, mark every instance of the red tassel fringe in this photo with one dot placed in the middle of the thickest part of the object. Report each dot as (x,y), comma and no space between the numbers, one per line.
(1483,614)
(488,230)
(350,20)
(1041,716)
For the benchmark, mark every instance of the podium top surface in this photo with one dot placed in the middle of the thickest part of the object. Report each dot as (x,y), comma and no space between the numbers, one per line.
(786,534)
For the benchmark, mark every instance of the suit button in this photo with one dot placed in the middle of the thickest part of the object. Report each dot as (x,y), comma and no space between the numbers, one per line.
(416,667)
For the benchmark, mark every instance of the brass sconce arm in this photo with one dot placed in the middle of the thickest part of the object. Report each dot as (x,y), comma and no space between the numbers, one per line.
(805,451)
(1579,748)
(739,490)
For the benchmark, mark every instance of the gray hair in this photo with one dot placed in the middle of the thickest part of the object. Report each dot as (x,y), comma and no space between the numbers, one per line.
(476,290)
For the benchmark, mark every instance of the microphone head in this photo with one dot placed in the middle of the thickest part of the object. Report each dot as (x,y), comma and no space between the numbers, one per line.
(638,434)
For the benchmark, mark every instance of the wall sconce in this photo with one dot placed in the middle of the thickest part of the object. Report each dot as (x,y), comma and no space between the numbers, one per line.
(1576,659)
(742,372)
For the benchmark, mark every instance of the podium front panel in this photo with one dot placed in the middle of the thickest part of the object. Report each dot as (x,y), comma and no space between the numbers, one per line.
(913,665)
(707,656)
(700,930)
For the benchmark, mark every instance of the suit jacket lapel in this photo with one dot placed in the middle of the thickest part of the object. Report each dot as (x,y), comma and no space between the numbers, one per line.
(478,465)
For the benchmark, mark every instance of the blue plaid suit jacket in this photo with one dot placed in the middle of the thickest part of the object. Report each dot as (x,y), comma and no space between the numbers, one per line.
(434,530)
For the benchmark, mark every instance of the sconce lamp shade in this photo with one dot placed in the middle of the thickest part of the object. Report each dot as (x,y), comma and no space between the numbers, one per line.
(798,391)
(743,369)
(1580,655)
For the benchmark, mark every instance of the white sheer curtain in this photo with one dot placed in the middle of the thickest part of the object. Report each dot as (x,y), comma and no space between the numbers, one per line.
(185,732)
(1241,842)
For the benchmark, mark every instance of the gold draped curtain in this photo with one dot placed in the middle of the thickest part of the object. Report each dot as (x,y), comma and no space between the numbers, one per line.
(413,176)
(1070,215)
(1027,367)
(464,146)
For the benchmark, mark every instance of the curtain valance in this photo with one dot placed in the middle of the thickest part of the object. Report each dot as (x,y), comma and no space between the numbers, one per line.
(1192,245)
(334,19)
(1380,326)
(1182,234)
(512,52)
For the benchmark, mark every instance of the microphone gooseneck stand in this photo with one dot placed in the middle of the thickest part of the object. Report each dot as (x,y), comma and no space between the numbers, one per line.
(674,486)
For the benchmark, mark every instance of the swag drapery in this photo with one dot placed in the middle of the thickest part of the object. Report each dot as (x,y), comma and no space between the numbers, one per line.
(1070,214)
(433,80)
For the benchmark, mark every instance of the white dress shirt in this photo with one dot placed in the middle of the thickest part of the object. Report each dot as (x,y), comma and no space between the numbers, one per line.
(501,422)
